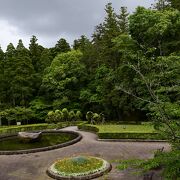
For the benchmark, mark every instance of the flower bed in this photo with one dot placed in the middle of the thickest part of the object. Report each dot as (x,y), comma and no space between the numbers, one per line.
(80,167)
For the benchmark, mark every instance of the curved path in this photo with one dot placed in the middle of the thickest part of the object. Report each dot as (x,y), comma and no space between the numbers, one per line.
(33,166)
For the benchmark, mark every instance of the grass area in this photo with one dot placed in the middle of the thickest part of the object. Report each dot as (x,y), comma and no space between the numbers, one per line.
(78,165)
(123,131)
(125,128)
(133,163)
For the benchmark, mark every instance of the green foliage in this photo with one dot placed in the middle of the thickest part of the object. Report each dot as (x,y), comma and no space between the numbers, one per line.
(40,108)
(63,79)
(80,160)
(123,20)
(79,115)
(61,46)
(141,132)
(95,118)
(126,135)
(72,116)
(124,164)
(64,115)
(129,71)
(17,114)
(169,162)
(156,29)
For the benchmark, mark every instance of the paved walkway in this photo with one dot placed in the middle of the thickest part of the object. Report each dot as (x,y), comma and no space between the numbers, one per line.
(33,166)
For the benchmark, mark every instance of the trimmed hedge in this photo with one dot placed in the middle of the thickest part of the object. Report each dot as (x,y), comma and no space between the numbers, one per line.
(88,127)
(121,135)
(35,127)
(147,136)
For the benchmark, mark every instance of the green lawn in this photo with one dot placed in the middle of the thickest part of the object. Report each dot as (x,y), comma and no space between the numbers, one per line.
(125,128)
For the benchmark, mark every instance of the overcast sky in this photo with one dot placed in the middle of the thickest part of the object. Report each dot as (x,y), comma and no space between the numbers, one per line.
(50,20)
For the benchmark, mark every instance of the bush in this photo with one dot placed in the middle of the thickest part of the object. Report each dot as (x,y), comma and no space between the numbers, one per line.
(18,114)
(72,116)
(95,118)
(87,127)
(89,117)
(64,115)
(121,135)
(147,136)
(79,115)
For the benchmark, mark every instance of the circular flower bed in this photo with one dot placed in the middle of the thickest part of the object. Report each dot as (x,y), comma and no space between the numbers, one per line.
(80,167)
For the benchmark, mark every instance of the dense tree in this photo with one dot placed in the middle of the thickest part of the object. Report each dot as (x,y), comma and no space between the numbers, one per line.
(123,20)
(61,46)
(156,32)
(35,52)
(45,60)
(63,80)
(9,73)
(175,4)
(22,86)
(103,36)
(2,82)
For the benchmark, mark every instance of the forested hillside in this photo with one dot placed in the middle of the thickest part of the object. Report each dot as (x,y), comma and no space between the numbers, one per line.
(129,70)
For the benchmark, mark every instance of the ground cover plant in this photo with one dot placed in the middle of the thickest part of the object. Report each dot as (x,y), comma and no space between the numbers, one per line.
(79,166)
(167,162)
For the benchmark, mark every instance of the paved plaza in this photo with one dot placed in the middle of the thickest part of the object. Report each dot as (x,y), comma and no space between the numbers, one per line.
(33,166)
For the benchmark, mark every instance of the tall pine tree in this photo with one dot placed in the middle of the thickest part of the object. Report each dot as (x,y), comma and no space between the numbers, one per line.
(61,46)
(2,83)
(22,83)
(123,20)
(9,73)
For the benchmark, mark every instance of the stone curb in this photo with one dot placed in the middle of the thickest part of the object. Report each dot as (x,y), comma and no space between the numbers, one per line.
(86,177)
(77,139)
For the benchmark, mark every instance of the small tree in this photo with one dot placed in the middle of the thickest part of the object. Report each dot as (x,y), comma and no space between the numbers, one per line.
(51,118)
(89,117)
(65,114)
(96,118)
(72,116)
(59,116)
(78,115)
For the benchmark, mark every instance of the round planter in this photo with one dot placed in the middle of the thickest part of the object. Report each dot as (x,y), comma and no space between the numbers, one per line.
(50,172)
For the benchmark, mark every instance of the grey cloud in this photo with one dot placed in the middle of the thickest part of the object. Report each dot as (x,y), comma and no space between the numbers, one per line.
(51,18)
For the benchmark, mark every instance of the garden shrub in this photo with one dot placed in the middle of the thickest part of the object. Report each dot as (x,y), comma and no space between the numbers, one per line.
(64,115)
(79,115)
(72,116)
(95,118)
(89,117)
(121,135)
(147,136)
(87,127)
